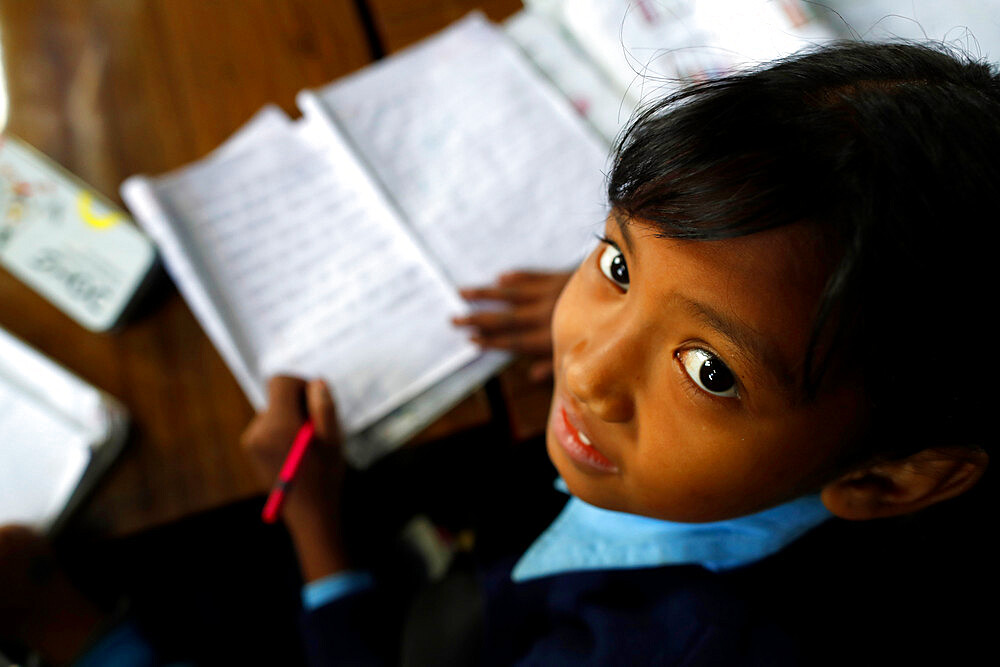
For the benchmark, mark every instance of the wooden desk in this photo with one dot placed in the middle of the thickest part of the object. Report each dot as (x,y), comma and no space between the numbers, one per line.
(111,88)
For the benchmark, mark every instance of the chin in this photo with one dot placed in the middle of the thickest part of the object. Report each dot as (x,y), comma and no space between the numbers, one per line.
(582,489)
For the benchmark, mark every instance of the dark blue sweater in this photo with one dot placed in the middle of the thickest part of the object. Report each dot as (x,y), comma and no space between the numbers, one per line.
(843,594)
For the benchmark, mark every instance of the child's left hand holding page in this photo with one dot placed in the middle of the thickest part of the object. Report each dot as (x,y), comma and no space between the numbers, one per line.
(524,323)
(312,507)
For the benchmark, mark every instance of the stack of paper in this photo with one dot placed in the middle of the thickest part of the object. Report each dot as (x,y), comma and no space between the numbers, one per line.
(57,435)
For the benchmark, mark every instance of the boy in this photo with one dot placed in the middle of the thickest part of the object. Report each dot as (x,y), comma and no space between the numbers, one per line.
(778,326)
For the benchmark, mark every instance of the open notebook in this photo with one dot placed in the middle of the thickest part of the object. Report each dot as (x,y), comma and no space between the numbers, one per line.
(58,435)
(333,245)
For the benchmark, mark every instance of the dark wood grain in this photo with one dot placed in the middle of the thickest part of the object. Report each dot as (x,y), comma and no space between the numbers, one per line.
(109,88)
(399,23)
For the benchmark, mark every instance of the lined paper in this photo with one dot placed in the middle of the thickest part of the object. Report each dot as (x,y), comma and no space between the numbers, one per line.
(489,164)
(315,270)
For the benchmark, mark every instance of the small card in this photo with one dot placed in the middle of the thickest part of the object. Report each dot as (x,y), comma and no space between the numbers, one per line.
(66,241)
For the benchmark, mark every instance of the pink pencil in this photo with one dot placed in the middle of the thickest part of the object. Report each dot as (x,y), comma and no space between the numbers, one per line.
(288,469)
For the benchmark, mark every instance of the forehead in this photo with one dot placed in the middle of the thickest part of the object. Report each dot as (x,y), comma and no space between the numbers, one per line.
(787,260)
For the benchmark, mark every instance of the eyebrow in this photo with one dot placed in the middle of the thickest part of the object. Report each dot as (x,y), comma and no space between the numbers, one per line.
(622,223)
(752,347)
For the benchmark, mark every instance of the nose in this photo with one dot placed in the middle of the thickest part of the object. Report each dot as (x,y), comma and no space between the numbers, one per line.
(600,371)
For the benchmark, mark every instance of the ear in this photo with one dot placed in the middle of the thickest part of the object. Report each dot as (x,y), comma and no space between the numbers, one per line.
(892,488)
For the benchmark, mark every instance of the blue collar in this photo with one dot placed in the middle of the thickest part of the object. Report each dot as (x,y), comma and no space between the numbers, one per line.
(584,537)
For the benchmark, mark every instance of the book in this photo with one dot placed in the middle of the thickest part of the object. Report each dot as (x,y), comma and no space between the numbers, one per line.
(68,242)
(60,435)
(333,245)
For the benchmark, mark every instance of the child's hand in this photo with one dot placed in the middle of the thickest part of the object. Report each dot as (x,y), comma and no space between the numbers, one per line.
(312,506)
(39,606)
(315,491)
(525,325)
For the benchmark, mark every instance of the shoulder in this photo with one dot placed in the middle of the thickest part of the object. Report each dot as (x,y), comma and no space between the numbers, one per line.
(893,591)
(662,615)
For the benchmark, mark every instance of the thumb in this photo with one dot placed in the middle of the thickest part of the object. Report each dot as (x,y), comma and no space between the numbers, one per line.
(323,412)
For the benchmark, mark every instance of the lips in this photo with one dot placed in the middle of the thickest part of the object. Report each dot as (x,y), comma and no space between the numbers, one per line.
(576,443)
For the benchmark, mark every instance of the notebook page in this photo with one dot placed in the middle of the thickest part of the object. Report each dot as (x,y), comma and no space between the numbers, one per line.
(186,265)
(42,458)
(571,71)
(186,271)
(36,375)
(489,164)
(313,268)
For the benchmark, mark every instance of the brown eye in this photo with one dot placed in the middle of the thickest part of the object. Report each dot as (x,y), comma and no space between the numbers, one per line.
(612,263)
(708,372)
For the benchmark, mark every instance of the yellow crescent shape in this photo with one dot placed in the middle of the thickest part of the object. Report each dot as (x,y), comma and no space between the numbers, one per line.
(83,204)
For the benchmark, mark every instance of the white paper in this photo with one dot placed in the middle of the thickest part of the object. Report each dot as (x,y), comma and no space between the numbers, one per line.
(407,420)
(489,164)
(43,455)
(54,427)
(571,71)
(970,25)
(308,262)
(37,376)
(648,47)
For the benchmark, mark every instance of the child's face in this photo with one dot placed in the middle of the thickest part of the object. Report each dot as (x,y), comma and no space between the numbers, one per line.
(679,362)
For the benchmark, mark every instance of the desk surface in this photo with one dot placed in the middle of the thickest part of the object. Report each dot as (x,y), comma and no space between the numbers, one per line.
(109,89)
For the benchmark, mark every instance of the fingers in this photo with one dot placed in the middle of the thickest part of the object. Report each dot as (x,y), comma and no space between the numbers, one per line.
(293,399)
(270,434)
(529,342)
(285,395)
(495,321)
(518,287)
(509,294)
(523,327)
(514,278)
(17,541)
(323,412)
(525,331)
(13,537)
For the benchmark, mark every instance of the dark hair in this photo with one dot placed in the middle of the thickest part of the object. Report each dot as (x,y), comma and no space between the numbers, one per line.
(892,153)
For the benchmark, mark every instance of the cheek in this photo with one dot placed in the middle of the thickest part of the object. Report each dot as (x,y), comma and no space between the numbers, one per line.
(684,470)
(567,317)
(697,467)
(738,471)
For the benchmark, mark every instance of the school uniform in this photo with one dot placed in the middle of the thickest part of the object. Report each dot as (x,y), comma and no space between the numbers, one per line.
(596,588)
(788,586)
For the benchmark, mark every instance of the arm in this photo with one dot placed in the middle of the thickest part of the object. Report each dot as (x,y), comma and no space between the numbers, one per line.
(312,507)
(343,627)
